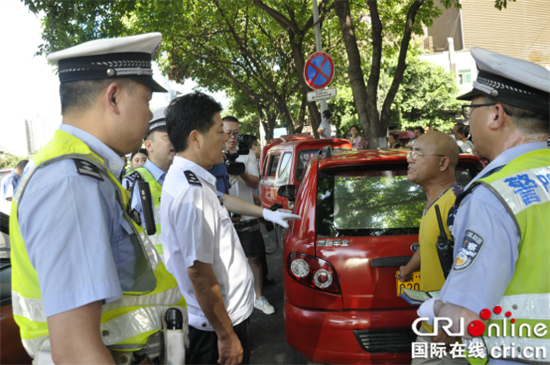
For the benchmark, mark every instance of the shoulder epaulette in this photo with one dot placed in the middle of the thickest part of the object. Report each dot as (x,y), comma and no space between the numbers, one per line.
(88,169)
(132,176)
(192,178)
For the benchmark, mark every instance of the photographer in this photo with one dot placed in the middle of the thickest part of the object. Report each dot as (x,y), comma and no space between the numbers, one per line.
(248,228)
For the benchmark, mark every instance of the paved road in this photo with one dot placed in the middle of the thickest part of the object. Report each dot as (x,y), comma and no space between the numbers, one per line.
(268,332)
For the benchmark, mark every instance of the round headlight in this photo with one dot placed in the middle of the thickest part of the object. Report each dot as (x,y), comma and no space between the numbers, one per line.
(299,268)
(322,278)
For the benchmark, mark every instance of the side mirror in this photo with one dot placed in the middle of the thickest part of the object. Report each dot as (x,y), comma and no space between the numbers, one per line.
(287,191)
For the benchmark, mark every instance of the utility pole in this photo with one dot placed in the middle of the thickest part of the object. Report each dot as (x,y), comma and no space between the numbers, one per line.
(318,46)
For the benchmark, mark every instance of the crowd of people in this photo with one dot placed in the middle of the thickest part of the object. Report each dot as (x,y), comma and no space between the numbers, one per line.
(103,267)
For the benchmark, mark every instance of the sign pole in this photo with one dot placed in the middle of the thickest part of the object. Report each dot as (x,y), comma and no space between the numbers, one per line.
(318,46)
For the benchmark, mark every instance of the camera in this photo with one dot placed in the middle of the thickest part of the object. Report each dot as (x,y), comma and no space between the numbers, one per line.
(230,159)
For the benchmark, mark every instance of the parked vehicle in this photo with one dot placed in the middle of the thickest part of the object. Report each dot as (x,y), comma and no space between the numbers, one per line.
(12,350)
(360,220)
(283,162)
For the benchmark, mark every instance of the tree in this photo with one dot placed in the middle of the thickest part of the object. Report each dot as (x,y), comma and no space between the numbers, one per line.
(391,20)
(427,95)
(232,46)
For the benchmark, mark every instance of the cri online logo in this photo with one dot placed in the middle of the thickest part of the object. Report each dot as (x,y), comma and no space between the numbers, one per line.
(476,328)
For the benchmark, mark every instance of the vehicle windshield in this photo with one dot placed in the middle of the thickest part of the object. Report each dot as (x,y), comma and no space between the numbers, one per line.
(368,203)
(305,155)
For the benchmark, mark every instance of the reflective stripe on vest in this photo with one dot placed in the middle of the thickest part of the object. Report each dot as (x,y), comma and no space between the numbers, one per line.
(128,325)
(522,188)
(153,299)
(33,309)
(156,191)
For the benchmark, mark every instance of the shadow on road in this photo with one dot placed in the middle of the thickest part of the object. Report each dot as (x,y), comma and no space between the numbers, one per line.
(268,332)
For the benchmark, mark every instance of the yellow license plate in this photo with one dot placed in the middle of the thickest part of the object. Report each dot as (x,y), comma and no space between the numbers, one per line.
(413,284)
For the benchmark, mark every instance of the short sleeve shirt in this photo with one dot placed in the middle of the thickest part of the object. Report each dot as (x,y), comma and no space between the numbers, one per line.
(8,185)
(238,186)
(484,228)
(74,231)
(190,204)
(325,127)
(431,273)
(159,176)
(222,178)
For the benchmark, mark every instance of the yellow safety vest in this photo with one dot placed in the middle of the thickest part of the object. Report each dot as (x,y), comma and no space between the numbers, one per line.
(156,192)
(127,323)
(523,187)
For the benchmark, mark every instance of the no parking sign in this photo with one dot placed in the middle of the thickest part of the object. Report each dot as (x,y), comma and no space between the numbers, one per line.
(319,70)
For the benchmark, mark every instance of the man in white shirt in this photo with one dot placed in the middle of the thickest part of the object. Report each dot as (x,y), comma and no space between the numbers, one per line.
(248,227)
(198,234)
(201,247)
(324,128)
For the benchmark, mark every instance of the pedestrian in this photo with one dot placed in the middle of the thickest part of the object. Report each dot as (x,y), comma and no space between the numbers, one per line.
(432,164)
(463,134)
(393,141)
(324,129)
(428,128)
(501,227)
(459,142)
(77,259)
(418,131)
(208,260)
(138,158)
(9,183)
(248,228)
(160,154)
(357,141)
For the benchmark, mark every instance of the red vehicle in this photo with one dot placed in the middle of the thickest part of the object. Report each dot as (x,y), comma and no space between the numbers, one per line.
(360,220)
(12,350)
(283,162)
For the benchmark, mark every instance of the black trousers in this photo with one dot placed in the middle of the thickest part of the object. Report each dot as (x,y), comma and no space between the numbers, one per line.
(203,345)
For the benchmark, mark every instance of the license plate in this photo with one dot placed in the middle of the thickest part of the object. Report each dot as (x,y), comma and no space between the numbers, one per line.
(413,284)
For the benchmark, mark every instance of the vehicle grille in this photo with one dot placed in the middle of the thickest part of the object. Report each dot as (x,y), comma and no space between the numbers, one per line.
(385,340)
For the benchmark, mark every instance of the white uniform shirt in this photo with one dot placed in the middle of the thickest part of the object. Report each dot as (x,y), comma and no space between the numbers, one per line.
(197,227)
(325,127)
(238,186)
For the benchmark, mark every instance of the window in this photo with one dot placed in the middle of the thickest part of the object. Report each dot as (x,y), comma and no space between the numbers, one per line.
(368,203)
(301,163)
(465,76)
(284,169)
(273,164)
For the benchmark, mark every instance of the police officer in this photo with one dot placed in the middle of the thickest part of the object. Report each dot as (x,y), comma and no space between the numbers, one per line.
(501,228)
(160,157)
(82,283)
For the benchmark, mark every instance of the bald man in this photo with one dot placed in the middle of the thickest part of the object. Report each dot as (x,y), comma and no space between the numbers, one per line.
(432,163)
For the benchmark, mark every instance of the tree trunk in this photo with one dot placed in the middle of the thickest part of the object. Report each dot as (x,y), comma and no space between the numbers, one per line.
(401,64)
(376,132)
(355,71)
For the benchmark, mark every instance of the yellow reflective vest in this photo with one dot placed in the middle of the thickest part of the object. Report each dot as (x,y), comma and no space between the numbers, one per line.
(523,187)
(156,192)
(127,323)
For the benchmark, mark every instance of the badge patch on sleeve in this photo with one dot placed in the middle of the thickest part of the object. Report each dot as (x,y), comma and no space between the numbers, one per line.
(471,247)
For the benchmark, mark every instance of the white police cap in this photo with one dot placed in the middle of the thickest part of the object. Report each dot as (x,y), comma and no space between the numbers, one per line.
(127,57)
(158,123)
(513,81)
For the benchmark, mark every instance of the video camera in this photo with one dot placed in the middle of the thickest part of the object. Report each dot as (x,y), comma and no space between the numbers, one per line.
(244,142)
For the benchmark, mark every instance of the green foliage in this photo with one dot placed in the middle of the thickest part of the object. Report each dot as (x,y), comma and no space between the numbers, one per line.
(427,95)
(7,160)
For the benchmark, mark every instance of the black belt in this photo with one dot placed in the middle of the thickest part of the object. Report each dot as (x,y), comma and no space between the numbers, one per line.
(247,223)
